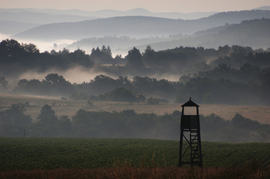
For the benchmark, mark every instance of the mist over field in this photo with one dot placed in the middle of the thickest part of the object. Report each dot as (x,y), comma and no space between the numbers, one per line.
(112,74)
(74,75)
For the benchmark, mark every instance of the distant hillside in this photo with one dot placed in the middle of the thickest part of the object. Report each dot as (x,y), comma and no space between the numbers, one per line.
(117,44)
(79,15)
(13,27)
(238,16)
(214,30)
(252,33)
(263,8)
(133,26)
(144,12)
(136,26)
(27,16)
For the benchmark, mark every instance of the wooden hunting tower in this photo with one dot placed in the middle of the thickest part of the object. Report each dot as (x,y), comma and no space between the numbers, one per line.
(190,131)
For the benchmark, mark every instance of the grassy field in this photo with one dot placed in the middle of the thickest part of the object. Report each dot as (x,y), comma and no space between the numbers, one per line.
(247,172)
(68,153)
(69,107)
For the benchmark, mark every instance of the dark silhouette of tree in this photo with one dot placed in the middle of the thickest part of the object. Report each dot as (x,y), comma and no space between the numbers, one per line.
(15,115)
(47,115)
(102,56)
(17,58)
(249,72)
(22,83)
(64,127)
(134,59)
(30,48)
(120,94)
(57,85)
(54,78)
(265,88)
(149,57)
(78,57)
(152,101)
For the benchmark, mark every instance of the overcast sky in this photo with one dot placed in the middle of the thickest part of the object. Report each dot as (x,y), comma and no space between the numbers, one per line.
(184,6)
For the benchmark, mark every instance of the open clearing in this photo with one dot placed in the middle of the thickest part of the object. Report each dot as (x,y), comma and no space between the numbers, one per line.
(70,107)
(54,153)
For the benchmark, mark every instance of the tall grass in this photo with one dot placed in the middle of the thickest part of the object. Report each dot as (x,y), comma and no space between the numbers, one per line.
(128,172)
(53,153)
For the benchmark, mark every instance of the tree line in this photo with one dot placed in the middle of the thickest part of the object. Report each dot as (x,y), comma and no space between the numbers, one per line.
(223,85)
(126,124)
(18,58)
(235,75)
(100,88)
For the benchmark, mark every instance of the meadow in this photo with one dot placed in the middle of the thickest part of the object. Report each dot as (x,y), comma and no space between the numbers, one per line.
(68,153)
(127,158)
(70,107)
(247,172)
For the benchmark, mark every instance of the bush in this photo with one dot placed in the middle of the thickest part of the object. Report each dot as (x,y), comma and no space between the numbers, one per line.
(152,101)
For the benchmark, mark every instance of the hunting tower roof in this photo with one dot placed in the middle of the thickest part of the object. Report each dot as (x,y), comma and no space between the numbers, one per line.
(190,103)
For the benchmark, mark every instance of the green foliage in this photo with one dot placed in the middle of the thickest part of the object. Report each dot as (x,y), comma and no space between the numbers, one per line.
(119,94)
(47,115)
(15,116)
(134,58)
(149,57)
(239,75)
(79,96)
(245,123)
(125,124)
(152,101)
(17,58)
(53,153)
(102,56)
(53,85)
(89,103)
(27,104)
(149,86)
(222,91)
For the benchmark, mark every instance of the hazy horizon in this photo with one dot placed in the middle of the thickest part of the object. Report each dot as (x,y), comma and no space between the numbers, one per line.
(153,6)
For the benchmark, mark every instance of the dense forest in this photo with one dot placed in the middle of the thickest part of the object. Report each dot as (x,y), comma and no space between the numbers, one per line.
(126,124)
(228,75)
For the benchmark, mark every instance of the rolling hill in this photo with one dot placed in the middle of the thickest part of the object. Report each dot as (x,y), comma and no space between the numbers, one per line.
(133,26)
(31,15)
(39,17)
(252,33)
(136,26)
(13,27)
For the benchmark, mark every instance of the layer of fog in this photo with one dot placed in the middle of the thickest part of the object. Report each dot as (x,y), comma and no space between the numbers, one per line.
(74,75)
(41,45)
(77,74)
(4,36)
(59,45)
(48,45)
(80,75)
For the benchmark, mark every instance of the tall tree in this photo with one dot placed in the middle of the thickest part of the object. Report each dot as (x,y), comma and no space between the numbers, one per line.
(15,115)
(149,57)
(47,115)
(134,58)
